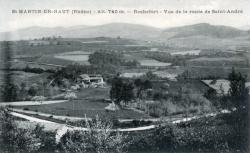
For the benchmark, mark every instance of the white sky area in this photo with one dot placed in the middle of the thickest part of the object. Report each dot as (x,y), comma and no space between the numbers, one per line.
(9,21)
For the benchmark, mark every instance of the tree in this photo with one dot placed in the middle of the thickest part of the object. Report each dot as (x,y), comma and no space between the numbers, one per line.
(23,92)
(210,93)
(116,89)
(127,92)
(238,92)
(121,90)
(150,76)
(33,89)
(103,57)
(98,138)
(147,84)
(142,86)
(239,98)
(9,92)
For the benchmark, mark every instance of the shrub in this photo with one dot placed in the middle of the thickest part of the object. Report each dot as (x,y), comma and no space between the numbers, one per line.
(26,108)
(17,139)
(23,140)
(98,138)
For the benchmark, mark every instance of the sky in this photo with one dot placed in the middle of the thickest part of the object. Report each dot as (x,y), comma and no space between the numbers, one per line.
(10,21)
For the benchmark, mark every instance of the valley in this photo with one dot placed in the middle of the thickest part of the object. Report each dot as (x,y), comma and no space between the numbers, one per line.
(133,76)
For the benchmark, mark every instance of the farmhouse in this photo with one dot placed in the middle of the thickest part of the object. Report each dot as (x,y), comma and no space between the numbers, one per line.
(94,80)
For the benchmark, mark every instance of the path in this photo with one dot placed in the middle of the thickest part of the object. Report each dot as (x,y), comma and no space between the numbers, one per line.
(61,129)
(165,119)
(29,103)
(59,117)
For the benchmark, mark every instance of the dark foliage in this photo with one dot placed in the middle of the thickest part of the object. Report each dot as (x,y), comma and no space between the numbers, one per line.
(238,92)
(121,90)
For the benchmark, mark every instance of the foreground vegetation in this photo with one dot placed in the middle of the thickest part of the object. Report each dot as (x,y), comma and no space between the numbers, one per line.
(154,96)
(220,134)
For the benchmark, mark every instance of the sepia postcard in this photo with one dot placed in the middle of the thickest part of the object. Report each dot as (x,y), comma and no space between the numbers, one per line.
(124,76)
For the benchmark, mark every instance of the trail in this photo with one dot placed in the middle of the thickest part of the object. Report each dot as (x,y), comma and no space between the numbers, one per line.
(29,103)
(61,129)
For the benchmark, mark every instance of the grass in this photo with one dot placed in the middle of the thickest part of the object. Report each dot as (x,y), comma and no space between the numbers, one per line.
(194,86)
(26,77)
(80,108)
(93,94)
(89,103)
(218,61)
(214,71)
(75,58)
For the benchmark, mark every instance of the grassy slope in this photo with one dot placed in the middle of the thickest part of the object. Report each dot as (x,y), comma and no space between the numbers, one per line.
(90,103)
(80,108)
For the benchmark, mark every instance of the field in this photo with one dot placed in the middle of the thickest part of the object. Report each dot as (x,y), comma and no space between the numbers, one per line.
(90,103)
(219,61)
(170,73)
(80,108)
(193,86)
(221,85)
(190,52)
(197,72)
(152,62)
(19,76)
(145,61)
(75,56)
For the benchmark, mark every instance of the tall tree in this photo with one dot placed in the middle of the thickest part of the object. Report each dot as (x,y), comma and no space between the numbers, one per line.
(238,92)
(141,86)
(121,90)
(127,92)
(9,89)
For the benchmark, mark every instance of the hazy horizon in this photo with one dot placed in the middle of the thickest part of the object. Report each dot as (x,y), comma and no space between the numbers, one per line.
(161,28)
(10,22)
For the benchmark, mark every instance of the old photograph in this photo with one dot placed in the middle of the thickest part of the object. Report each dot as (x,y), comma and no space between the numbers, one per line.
(124,76)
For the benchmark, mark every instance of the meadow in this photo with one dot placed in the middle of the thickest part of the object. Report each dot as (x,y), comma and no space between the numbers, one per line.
(189,52)
(80,57)
(82,108)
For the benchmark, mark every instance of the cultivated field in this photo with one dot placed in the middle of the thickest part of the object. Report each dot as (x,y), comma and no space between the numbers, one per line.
(80,57)
(190,52)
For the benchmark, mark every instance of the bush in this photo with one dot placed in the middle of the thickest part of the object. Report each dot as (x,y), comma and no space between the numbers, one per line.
(99,138)
(26,108)
(23,140)
(16,139)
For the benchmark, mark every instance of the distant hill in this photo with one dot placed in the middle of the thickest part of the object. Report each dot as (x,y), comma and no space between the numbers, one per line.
(202,29)
(125,30)
(246,27)
(31,32)
(205,36)
(201,35)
